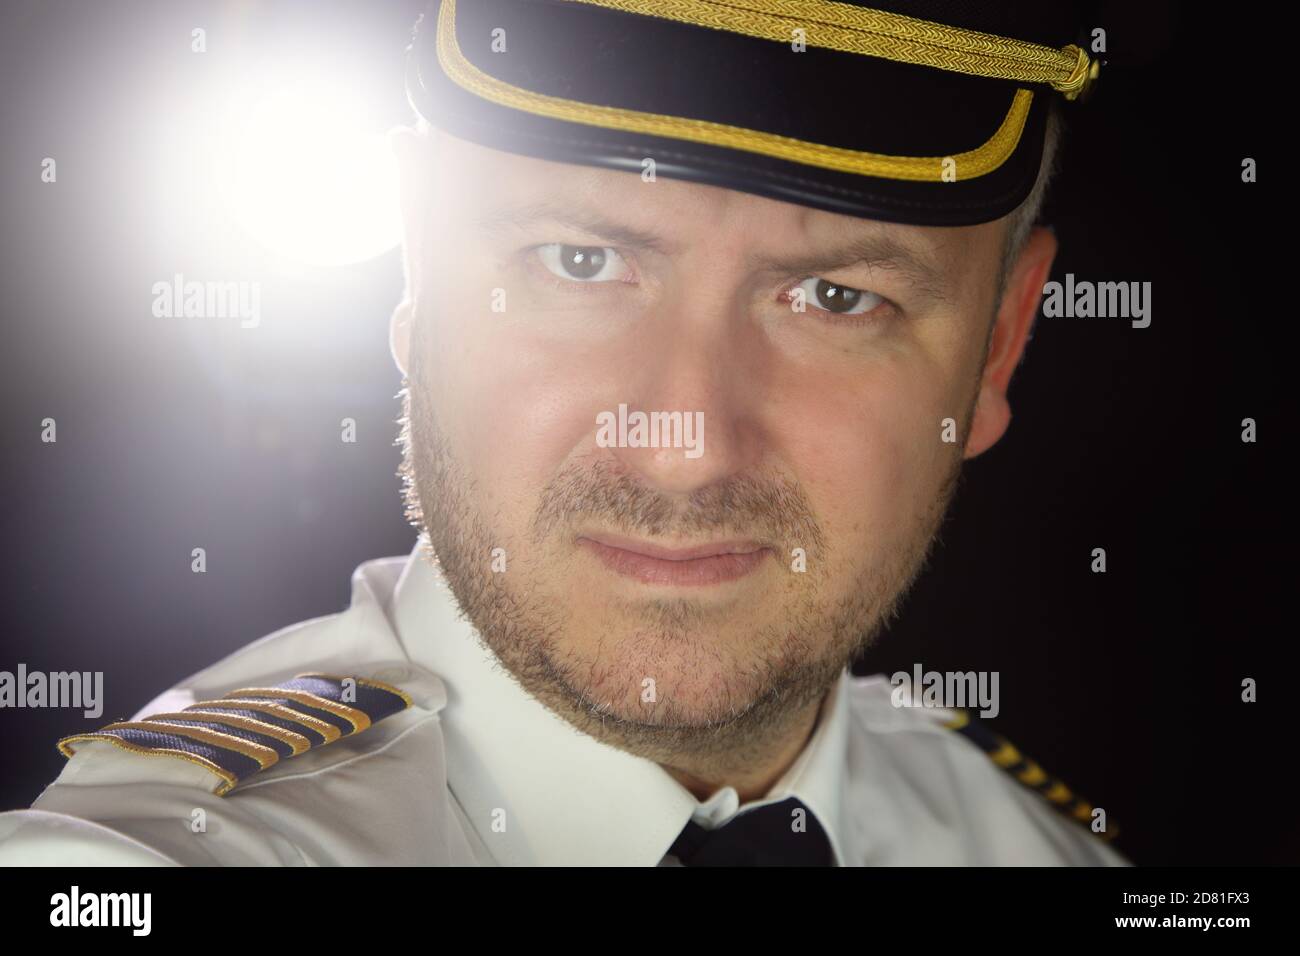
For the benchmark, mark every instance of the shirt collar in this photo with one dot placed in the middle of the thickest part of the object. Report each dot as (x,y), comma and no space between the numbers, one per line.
(541,792)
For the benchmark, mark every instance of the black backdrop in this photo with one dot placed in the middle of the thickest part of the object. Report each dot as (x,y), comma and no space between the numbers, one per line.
(1126,685)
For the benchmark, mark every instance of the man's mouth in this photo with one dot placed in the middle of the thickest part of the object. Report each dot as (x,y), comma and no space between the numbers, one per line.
(697,564)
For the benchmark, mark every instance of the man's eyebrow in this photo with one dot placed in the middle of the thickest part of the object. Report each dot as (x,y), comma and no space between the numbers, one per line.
(913,262)
(501,218)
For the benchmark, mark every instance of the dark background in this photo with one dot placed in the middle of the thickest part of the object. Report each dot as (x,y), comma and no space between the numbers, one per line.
(175,434)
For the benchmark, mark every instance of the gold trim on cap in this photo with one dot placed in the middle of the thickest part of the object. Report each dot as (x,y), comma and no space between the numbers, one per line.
(879,33)
(977,162)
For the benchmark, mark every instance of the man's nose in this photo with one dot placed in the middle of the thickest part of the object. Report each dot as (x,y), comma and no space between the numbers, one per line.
(698,388)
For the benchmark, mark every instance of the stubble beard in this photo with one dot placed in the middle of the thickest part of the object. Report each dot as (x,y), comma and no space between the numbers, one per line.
(805,653)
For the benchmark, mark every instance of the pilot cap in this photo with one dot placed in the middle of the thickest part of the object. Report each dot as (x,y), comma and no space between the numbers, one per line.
(930,112)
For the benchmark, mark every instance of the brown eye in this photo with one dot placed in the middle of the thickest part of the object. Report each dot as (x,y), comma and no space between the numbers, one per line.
(840,299)
(836,298)
(583,263)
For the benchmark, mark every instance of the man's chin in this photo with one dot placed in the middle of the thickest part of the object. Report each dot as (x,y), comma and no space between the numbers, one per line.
(673,664)
(656,670)
(664,707)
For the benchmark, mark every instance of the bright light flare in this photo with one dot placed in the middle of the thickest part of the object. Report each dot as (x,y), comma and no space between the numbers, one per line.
(305,174)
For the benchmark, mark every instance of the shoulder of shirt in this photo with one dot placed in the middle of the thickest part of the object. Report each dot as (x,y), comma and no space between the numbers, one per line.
(287,709)
(983,761)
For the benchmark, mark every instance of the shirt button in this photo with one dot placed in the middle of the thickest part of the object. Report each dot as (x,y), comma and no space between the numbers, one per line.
(719,808)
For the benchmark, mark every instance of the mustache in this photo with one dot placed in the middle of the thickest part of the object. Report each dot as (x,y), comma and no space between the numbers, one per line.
(771,509)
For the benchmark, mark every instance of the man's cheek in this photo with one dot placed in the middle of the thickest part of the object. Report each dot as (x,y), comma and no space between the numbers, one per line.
(522,419)
(864,457)
(870,487)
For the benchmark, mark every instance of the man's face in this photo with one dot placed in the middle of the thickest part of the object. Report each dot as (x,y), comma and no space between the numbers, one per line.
(546,294)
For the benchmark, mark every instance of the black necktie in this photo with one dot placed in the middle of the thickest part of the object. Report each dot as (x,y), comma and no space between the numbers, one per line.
(771,835)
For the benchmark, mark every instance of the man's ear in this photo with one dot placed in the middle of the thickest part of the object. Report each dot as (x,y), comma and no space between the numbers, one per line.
(412,149)
(1010,333)
(399,336)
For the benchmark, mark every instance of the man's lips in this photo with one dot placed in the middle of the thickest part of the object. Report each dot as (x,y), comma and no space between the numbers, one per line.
(700,564)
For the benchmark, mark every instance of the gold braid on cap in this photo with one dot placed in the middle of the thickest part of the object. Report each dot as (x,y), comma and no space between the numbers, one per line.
(980,161)
(879,33)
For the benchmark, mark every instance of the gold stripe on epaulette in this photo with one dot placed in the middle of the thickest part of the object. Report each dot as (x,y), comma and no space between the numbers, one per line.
(327,730)
(359,719)
(297,742)
(980,161)
(1006,755)
(365,682)
(1058,792)
(265,756)
(229,780)
(1033,775)
(882,34)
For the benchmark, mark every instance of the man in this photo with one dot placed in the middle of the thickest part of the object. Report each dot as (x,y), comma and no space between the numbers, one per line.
(706,306)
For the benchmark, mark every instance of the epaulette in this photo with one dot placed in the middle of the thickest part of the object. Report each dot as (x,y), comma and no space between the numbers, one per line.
(252,728)
(1003,753)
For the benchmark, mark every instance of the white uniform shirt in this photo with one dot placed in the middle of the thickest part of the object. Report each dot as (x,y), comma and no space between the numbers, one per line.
(478,772)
